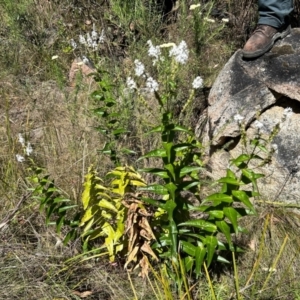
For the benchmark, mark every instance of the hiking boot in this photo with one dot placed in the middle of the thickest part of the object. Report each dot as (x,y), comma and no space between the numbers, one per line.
(263,39)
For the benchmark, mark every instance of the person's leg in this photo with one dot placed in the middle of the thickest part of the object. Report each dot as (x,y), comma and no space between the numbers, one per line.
(272,25)
(274,12)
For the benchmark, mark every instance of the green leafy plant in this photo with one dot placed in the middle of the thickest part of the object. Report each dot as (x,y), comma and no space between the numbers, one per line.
(59,209)
(111,114)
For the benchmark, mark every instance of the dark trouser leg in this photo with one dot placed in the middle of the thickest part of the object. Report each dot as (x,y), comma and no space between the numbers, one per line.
(274,12)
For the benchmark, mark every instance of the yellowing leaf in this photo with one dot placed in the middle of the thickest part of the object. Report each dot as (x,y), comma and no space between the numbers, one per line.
(106,215)
(86,192)
(137,183)
(108,205)
(89,225)
(89,213)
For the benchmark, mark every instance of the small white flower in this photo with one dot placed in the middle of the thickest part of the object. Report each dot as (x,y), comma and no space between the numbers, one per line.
(275,148)
(20,158)
(85,60)
(82,39)
(139,68)
(131,83)
(102,37)
(194,6)
(180,53)
(54,57)
(238,118)
(21,139)
(152,85)
(287,112)
(209,20)
(95,45)
(225,20)
(73,44)
(154,51)
(94,33)
(258,125)
(28,149)
(197,83)
(89,40)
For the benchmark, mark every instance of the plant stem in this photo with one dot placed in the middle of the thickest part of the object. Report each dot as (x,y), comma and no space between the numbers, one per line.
(236,277)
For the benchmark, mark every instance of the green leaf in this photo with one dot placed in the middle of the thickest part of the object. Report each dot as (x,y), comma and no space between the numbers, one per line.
(251,175)
(155,188)
(101,129)
(119,131)
(211,244)
(59,223)
(229,180)
(204,225)
(218,197)
(230,174)
(188,248)
(222,259)
(188,263)
(154,202)
(199,257)
(218,214)
(232,215)
(187,185)
(60,200)
(242,158)
(159,128)
(225,229)
(154,153)
(100,112)
(170,168)
(187,170)
(171,187)
(243,197)
(156,171)
(127,151)
(169,151)
(98,95)
(183,146)
(181,128)
(64,208)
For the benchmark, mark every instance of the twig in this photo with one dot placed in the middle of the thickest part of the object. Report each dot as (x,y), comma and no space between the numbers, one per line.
(11,215)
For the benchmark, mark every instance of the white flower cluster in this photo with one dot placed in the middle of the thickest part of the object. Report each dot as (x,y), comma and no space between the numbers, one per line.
(197,83)
(154,51)
(180,53)
(139,68)
(91,40)
(131,83)
(28,148)
(152,85)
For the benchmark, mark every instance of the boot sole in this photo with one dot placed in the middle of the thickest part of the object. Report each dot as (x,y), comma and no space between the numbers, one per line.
(277,36)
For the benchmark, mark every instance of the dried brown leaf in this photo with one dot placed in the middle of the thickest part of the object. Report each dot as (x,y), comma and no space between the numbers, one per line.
(146,248)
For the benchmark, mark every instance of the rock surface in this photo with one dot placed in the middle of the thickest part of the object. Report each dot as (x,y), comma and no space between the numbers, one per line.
(260,89)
